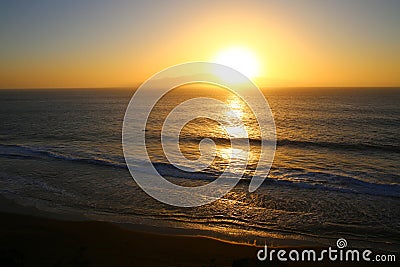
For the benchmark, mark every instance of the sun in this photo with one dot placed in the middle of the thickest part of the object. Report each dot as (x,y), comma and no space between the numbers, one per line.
(240,59)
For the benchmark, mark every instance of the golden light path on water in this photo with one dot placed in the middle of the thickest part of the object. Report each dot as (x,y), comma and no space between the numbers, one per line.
(238,124)
(239,110)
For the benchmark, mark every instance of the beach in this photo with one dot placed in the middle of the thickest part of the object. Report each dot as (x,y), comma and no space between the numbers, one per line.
(67,173)
(29,237)
(199,133)
(29,240)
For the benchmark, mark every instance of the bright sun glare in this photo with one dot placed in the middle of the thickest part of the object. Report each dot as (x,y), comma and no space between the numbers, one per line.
(239,59)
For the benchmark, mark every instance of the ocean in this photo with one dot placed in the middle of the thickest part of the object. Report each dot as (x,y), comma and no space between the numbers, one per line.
(335,172)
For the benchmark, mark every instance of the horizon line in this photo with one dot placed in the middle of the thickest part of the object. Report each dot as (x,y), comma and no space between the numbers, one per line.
(136,86)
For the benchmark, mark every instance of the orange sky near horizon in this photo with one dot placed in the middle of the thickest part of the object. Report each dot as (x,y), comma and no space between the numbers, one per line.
(50,45)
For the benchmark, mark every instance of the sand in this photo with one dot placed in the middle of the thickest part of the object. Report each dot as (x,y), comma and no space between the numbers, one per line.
(36,238)
(28,240)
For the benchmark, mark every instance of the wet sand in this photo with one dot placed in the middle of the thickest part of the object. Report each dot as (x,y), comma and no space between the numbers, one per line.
(27,240)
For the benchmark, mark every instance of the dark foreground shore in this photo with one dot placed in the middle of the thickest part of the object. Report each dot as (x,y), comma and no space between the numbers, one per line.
(27,240)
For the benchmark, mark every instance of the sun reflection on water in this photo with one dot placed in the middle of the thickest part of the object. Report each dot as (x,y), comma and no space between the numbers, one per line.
(237,107)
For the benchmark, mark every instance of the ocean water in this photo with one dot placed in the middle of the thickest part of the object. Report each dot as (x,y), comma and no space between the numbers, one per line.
(335,171)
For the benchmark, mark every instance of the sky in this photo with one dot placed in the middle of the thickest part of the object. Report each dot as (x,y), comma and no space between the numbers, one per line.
(53,44)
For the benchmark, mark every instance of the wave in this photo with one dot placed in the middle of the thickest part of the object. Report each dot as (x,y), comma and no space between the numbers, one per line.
(289,178)
(17,180)
(300,144)
(324,181)
(16,151)
(339,145)
(339,183)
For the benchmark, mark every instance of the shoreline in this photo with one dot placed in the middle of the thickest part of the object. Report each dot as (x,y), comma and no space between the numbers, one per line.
(29,236)
(28,240)
(32,237)
(8,205)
